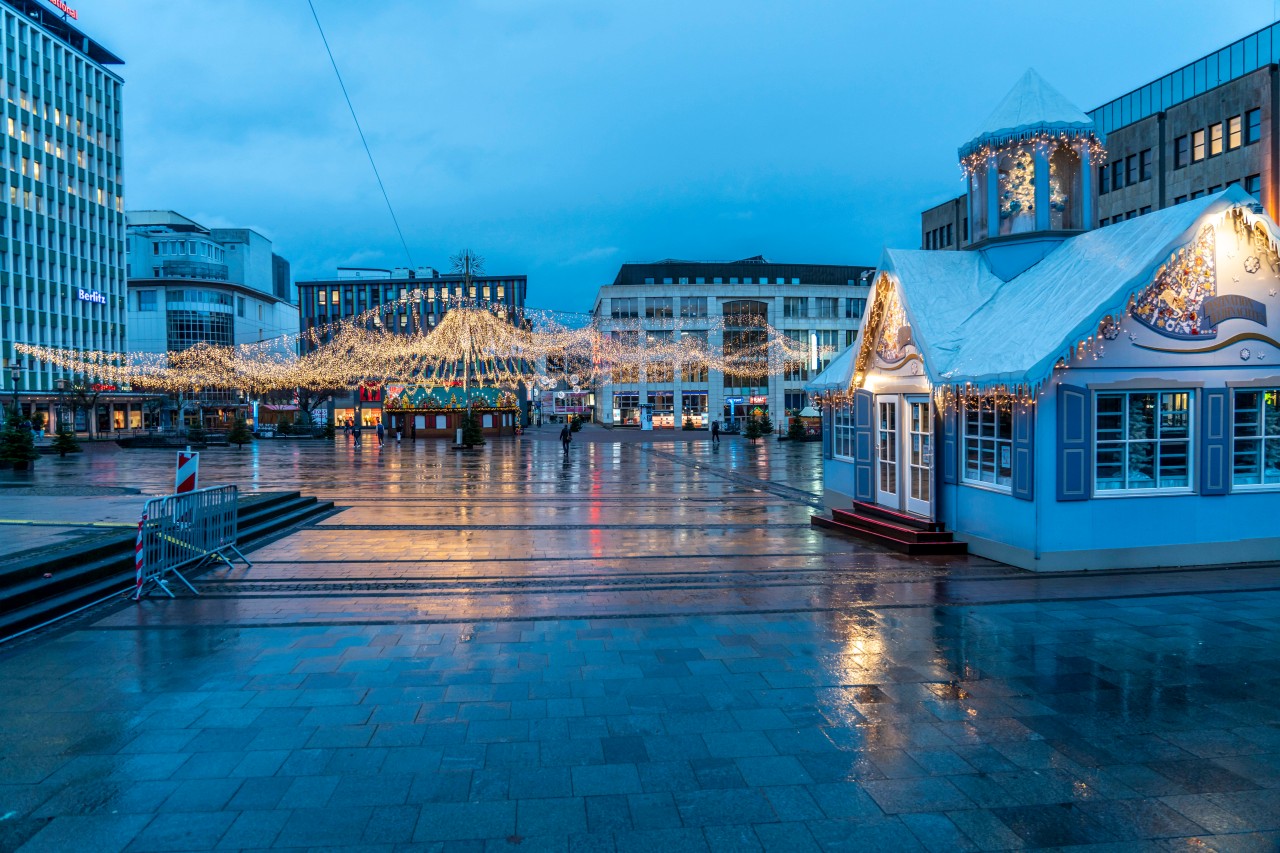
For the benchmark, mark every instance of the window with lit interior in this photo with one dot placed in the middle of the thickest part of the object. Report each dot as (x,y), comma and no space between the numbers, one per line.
(1142,441)
(988,442)
(1255,449)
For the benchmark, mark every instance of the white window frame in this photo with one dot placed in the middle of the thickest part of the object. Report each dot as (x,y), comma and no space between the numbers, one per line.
(995,439)
(842,432)
(1263,439)
(1191,439)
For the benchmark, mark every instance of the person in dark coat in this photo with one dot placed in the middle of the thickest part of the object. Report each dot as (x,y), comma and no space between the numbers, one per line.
(715,432)
(566,436)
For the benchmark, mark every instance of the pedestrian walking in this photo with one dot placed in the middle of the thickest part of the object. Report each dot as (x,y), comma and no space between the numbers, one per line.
(398,434)
(715,432)
(381,434)
(566,436)
(356,431)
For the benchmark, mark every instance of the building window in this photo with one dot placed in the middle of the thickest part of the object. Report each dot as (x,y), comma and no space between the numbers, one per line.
(1144,165)
(1197,146)
(658,307)
(1104,184)
(1195,194)
(1131,170)
(1252,126)
(795,307)
(1117,174)
(625,309)
(1142,440)
(239,306)
(1235,133)
(1215,139)
(828,307)
(693,307)
(322,296)
(853,308)
(1253,186)
(842,434)
(1144,210)
(1255,449)
(988,442)
(146,300)
(1180,151)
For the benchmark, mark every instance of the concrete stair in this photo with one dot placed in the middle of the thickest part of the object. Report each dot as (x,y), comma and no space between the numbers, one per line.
(99,567)
(896,530)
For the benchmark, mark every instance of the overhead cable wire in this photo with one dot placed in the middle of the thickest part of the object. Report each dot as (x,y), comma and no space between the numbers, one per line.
(360,131)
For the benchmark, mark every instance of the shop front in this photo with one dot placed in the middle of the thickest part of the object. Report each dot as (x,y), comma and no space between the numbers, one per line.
(739,408)
(663,406)
(423,411)
(693,410)
(626,409)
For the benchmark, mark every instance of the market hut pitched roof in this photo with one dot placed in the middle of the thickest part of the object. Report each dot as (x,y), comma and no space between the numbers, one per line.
(971,327)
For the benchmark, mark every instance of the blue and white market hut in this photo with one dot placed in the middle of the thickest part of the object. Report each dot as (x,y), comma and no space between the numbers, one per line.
(1060,398)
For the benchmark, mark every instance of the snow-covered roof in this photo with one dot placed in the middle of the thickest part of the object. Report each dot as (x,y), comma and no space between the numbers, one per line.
(836,376)
(1032,107)
(971,327)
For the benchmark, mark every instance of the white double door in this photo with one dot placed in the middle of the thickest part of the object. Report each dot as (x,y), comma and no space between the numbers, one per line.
(904,453)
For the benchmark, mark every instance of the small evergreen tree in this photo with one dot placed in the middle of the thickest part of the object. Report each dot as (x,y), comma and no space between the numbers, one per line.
(766,424)
(795,429)
(197,434)
(688,421)
(37,421)
(285,427)
(575,423)
(472,434)
(751,429)
(239,433)
(65,442)
(329,431)
(17,445)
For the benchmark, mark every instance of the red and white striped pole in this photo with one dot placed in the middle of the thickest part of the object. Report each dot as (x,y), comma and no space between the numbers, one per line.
(139,558)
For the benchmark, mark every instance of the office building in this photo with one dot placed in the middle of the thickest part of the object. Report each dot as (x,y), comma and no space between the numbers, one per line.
(1206,126)
(190,285)
(357,290)
(62,264)
(819,306)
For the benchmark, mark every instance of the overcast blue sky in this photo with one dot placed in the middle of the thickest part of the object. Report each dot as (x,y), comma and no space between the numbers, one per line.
(561,138)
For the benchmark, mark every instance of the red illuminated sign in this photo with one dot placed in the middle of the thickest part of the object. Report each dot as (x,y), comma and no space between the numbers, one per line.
(63,7)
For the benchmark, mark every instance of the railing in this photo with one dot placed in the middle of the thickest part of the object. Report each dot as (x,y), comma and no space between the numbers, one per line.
(193,269)
(177,531)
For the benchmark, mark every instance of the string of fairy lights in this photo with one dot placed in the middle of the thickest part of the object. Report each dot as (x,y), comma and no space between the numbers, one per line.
(471,342)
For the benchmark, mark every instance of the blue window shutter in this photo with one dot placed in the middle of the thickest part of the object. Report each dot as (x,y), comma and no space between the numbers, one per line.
(828,429)
(863,447)
(949,448)
(1215,442)
(1024,457)
(1075,443)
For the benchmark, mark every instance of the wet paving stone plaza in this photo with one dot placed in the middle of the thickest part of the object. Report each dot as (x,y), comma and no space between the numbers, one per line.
(631,647)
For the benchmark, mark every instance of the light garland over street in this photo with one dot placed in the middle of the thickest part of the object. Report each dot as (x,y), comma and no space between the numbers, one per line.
(485,345)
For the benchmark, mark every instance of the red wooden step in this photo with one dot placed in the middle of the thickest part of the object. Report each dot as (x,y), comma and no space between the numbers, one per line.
(886,536)
(898,531)
(901,519)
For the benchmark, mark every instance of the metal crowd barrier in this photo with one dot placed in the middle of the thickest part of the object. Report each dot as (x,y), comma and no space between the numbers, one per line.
(178,531)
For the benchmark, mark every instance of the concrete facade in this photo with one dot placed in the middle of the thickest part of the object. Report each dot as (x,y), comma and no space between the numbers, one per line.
(185,278)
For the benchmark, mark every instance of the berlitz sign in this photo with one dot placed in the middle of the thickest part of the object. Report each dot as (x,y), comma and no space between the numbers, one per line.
(63,7)
(91,296)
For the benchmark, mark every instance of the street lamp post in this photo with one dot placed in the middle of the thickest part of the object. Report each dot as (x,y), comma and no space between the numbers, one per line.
(62,390)
(15,374)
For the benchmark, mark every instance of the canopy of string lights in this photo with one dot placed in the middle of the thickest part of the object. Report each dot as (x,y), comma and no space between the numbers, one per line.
(475,343)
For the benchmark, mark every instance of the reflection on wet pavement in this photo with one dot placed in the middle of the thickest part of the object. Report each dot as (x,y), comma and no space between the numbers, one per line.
(634,648)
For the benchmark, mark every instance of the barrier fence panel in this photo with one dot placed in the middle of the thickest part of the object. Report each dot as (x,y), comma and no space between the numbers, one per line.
(181,530)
